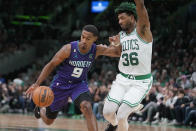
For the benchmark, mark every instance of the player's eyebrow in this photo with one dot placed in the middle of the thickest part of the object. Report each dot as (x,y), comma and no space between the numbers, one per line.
(87,36)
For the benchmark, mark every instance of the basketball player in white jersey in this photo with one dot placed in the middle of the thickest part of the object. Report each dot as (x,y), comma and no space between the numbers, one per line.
(134,80)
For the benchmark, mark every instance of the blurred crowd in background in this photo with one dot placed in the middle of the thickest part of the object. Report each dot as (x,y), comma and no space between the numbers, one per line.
(172,98)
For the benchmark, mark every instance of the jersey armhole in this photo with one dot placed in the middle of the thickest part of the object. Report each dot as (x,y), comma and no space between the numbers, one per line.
(94,51)
(120,33)
(72,49)
(145,42)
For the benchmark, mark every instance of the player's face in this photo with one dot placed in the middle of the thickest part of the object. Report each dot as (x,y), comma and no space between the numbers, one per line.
(125,21)
(87,39)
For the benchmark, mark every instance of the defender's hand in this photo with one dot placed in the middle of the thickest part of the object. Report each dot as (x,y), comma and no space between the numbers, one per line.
(29,92)
(114,40)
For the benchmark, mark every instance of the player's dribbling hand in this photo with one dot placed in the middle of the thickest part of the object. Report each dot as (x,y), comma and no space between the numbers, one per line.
(29,92)
(114,40)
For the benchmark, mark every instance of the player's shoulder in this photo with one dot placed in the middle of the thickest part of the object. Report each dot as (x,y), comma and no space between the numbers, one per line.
(66,47)
(66,50)
(122,34)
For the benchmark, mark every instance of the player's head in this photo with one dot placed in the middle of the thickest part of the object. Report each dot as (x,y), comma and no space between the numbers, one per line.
(127,15)
(89,35)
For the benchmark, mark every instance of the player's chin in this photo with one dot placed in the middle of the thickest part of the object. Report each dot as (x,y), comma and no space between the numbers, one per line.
(123,28)
(84,47)
(121,25)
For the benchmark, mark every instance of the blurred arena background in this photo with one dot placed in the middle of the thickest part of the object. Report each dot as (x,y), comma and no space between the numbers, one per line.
(32,31)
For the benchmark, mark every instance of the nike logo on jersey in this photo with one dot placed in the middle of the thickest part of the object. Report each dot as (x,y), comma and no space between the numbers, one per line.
(91,56)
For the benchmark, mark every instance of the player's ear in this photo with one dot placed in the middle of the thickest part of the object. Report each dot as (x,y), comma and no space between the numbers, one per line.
(132,18)
(96,37)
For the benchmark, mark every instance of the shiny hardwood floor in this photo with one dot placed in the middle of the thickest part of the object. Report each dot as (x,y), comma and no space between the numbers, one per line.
(18,122)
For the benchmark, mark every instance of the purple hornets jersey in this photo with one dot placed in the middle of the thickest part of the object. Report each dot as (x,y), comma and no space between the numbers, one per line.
(71,77)
(75,68)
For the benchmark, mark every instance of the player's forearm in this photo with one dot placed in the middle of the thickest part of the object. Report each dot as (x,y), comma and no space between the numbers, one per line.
(45,73)
(142,16)
(115,50)
(110,51)
(139,3)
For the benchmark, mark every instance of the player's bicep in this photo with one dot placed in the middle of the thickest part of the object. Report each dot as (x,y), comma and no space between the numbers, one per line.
(61,55)
(142,19)
(143,23)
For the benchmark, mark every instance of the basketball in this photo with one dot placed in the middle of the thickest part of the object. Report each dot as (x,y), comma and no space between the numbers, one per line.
(43,96)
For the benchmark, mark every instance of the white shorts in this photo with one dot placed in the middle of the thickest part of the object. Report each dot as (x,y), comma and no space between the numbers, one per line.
(129,91)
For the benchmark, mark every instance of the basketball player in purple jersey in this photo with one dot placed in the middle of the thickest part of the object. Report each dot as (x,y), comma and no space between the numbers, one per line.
(71,78)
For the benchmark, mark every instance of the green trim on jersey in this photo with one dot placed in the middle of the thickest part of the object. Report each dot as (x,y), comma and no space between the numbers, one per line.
(113,100)
(129,104)
(81,52)
(125,34)
(140,77)
(133,33)
(141,38)
(137,103)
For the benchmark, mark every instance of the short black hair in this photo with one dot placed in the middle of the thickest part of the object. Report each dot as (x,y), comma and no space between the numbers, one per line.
(127,7)
(91,28)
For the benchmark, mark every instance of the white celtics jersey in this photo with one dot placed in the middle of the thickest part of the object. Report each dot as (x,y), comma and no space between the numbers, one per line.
(136,54)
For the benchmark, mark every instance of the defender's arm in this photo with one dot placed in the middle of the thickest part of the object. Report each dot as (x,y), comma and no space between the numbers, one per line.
(143,23)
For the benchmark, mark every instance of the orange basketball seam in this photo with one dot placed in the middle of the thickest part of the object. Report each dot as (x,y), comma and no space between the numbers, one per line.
(39,96)
(47,97)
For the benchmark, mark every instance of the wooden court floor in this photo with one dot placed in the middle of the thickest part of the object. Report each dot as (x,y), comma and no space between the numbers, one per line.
(18,122)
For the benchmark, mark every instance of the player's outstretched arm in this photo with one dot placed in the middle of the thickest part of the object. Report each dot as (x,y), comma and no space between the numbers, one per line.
(114,50)
(59,57)
(143,23)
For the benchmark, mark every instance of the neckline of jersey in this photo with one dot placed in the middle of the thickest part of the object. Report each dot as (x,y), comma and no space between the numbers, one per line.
(135,32)
(81,52)
(132,33)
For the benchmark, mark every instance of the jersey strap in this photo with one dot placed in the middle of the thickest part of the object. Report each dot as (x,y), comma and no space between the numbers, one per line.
(133,77)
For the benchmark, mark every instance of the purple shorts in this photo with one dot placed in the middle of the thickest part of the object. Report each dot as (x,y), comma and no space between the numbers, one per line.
(63,91)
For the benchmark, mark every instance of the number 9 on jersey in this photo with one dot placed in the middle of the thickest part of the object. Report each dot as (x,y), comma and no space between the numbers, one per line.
(77,72)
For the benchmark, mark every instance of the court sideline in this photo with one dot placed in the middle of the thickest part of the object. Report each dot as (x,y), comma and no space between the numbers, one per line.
(19,122)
